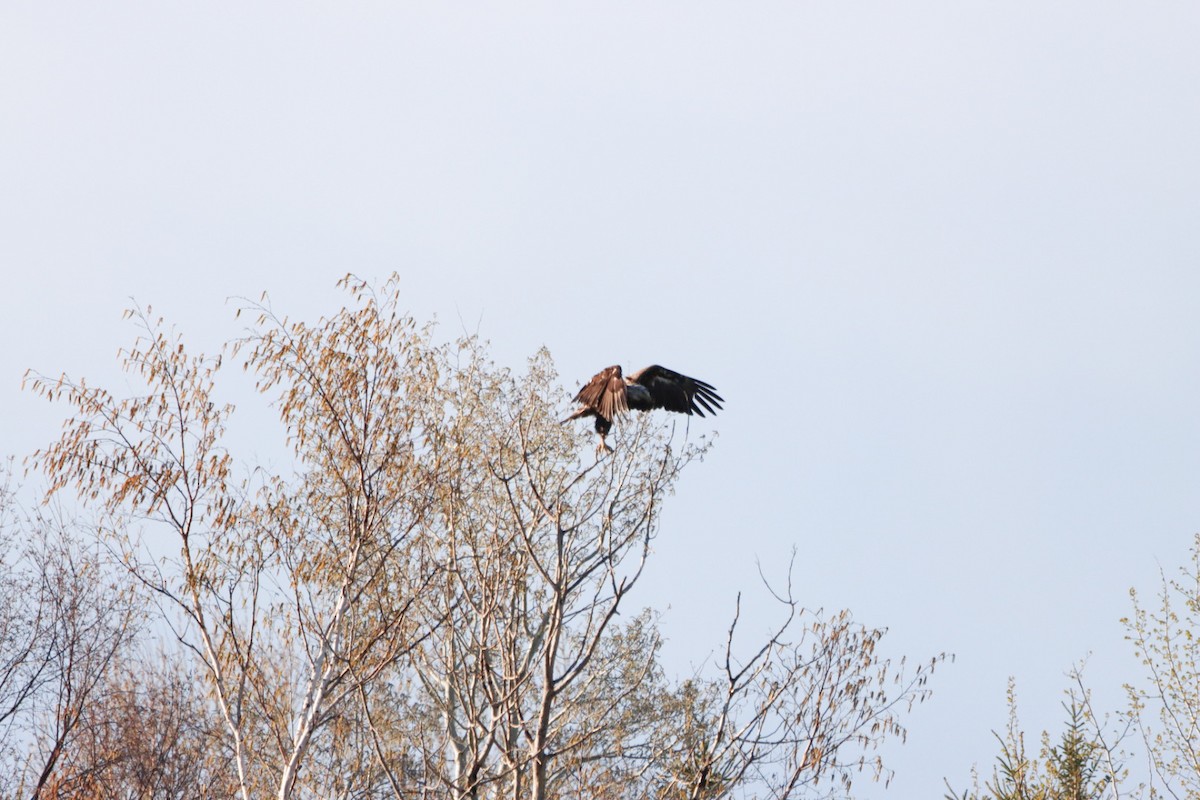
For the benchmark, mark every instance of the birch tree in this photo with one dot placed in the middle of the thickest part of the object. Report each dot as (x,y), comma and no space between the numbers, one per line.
(291,591)
(436,599)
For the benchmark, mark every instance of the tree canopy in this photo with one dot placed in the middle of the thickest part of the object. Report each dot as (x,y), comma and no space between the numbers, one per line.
(434,599)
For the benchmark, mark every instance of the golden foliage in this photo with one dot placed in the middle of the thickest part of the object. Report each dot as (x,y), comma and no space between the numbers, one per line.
(427,604)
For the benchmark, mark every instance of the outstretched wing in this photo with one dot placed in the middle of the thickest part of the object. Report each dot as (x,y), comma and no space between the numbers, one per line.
(675,392)
(604,394)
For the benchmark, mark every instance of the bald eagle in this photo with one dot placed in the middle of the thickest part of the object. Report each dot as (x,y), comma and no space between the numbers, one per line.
(609,395)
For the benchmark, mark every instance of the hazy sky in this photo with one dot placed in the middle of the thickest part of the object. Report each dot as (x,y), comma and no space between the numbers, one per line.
(942,259)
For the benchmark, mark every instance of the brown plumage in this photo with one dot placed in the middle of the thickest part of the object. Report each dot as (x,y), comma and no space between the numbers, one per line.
(609,395)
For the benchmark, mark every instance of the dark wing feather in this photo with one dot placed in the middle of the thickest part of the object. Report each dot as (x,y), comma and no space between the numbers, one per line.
(604,394)
(675,392)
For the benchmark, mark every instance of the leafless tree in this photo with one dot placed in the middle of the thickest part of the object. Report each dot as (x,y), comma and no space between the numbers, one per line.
(64,622)
(806,708)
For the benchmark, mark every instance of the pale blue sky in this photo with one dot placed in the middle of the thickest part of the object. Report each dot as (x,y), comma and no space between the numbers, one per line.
(941,259)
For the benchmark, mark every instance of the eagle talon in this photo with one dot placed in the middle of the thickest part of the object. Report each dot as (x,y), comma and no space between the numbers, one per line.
(609,395)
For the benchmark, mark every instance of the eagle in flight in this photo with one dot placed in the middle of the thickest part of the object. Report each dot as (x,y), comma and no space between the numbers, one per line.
(609,395)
